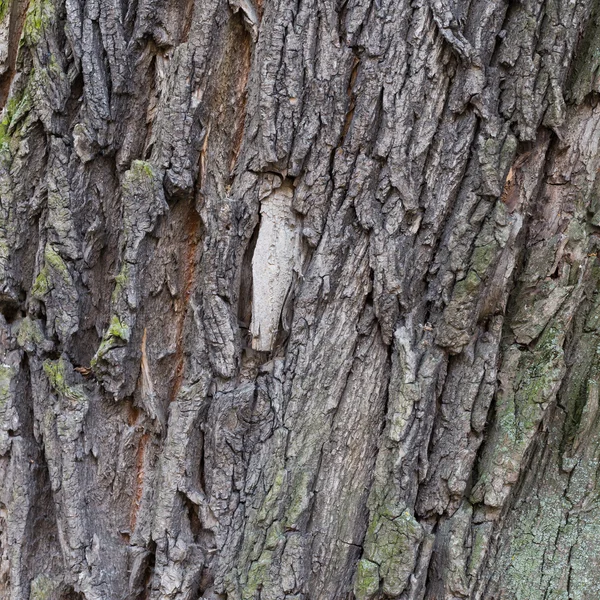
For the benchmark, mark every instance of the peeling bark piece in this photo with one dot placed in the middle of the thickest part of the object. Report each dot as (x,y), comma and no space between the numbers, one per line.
(275,257)
(250,15)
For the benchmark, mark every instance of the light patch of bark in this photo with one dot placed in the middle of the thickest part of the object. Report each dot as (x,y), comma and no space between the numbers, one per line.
(275,259)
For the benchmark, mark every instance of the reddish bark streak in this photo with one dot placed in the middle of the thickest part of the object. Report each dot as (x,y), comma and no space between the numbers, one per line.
(241,98)
(192,229)
(259,9)
(139,480)
(133,416)
(187,20)
(18,11)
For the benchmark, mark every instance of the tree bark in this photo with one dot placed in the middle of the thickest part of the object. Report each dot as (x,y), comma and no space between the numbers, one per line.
(300,299)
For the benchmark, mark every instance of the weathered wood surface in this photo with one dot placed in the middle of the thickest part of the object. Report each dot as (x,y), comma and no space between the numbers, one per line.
(299,299)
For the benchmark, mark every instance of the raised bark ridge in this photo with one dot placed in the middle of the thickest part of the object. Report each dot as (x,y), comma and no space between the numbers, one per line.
(299,300)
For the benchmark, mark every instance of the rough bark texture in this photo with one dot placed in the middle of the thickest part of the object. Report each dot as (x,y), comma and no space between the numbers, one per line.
(300,299)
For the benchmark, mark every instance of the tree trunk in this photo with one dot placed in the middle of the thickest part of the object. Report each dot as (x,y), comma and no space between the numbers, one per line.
(299,299)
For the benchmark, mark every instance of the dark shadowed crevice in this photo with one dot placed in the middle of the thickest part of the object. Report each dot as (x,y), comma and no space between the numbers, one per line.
(245,293)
